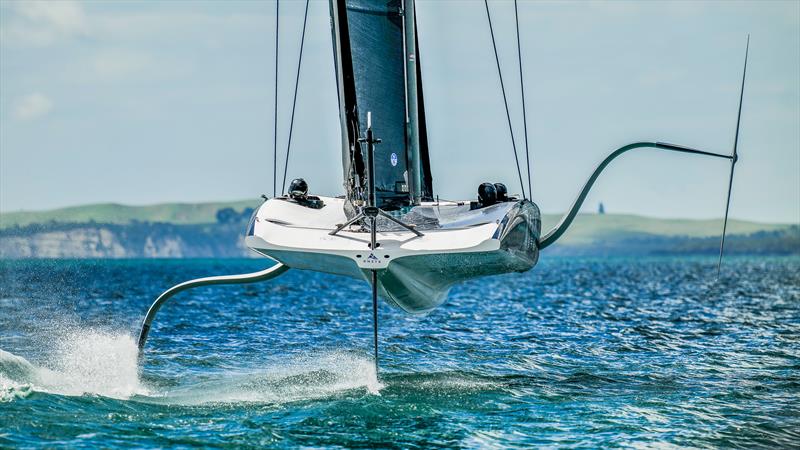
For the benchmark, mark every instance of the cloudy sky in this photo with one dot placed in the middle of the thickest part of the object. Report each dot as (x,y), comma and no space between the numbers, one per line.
(148,102)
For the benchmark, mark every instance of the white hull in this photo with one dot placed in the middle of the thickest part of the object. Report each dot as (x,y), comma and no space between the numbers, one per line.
(414,273)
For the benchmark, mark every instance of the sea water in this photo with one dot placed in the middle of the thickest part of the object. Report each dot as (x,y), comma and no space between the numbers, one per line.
(576,353)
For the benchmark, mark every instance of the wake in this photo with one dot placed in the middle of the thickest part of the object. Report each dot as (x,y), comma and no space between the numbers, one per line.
(304,378)
(99,363)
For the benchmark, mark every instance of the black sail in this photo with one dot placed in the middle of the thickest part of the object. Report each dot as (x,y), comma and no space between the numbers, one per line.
(369,51)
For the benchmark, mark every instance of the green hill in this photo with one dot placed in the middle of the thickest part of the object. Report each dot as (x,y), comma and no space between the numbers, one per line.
(174,213)
(197,230)
(589,228)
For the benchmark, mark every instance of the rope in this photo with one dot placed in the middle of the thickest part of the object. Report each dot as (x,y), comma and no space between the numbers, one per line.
(294,100)
(522,89)
(505,100)
(275,127)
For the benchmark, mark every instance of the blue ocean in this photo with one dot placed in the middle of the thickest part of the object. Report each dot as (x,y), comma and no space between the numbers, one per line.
(589,353)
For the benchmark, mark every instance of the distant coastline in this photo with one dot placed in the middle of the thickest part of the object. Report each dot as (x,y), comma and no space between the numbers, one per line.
(216,230)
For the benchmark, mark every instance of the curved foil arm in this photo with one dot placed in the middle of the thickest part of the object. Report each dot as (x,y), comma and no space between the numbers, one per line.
(566,221)
(254,277)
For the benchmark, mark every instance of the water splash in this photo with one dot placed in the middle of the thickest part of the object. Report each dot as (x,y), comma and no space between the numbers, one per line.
(91,362)
(86,362)
(305,378)
(16,375)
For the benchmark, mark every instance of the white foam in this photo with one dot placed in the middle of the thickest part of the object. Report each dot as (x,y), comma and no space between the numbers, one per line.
(306,378)
(10,389)
(94,362)
(15,377)
(85,362)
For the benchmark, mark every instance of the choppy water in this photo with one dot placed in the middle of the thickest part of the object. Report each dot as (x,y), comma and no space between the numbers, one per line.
(576,353)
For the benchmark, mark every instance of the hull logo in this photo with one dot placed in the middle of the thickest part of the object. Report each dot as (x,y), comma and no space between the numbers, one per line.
(393,159)
(371,259)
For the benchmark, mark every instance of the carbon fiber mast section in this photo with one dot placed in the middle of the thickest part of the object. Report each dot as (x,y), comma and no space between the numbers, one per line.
(566,221)
(254,277)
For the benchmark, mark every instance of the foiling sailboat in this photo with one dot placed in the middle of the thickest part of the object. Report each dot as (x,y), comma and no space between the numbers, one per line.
(389,228)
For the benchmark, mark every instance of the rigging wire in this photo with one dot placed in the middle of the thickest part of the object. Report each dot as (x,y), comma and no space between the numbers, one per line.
(505,100)
(734,158)
(294,100)
(522,89)
(275,127)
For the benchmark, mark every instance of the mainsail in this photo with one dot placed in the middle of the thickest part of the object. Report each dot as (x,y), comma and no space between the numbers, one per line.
(371,59)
